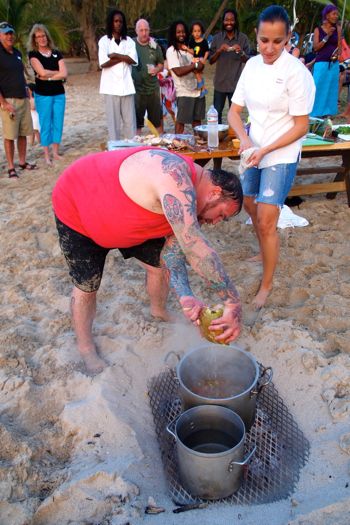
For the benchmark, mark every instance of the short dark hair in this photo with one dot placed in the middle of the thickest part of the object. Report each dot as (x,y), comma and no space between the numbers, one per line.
(172,32)
(197,23)
(229,183)
(235,14)
(109,24)
(274,13)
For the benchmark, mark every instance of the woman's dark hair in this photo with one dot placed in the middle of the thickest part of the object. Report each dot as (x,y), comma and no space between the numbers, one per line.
(109,24)
(172,33)
(274,13)
(230,185)
(233,11)
(197,23)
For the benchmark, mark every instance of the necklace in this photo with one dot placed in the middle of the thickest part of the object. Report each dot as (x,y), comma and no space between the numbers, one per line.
(47,54)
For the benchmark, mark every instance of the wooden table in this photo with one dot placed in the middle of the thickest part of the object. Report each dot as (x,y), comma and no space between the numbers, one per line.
(341,181)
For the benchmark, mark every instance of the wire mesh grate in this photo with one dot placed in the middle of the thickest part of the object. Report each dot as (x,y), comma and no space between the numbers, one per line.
(281,448)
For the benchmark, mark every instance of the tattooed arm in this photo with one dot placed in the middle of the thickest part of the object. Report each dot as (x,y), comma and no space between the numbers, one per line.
(178,199)
(175,261)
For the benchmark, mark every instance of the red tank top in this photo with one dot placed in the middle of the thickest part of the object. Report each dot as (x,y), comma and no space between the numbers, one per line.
(89,199)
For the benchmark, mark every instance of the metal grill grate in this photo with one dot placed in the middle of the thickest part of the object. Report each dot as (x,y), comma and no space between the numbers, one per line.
(282,449)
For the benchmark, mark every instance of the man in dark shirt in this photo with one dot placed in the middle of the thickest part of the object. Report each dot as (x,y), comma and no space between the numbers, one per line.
(144,75)
(229,50)
(14,103)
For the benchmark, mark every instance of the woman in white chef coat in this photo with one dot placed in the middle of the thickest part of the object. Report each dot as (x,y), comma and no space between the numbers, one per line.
(278,91)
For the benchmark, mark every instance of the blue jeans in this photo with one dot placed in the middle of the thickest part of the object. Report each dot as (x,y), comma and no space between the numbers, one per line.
(51,116)
(269,185)
(219,102)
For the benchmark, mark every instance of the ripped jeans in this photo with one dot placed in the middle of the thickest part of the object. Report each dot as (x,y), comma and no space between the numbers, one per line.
(269,185)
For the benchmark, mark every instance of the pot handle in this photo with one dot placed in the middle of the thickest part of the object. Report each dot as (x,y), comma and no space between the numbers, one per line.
(268,372)
(169,354)
(169,428)
(244,462)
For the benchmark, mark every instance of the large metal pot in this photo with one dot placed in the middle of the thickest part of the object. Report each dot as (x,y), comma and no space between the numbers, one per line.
(210,449)
(228,376)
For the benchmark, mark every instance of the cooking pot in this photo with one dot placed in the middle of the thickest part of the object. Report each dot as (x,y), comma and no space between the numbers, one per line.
(210,449)
(213,374)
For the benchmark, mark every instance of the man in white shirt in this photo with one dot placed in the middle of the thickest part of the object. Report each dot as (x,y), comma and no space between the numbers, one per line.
(190,106)
(116,54)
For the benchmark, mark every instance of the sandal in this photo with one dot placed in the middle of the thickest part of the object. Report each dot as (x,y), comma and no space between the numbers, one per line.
(27,166)
(12,173)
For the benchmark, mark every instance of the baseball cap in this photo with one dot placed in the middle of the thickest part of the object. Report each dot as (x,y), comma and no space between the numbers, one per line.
(5,27)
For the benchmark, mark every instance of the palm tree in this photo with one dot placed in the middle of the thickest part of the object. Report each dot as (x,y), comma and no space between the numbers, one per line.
(23,14)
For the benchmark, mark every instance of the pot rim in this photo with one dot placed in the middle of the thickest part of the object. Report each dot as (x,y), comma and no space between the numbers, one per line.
(215,454)
(233,347)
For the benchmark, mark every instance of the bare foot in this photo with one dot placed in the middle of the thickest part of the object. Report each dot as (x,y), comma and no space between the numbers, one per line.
(93,363)
(164,315)
(260,298)
(57,157)
(48,162)
(255,258)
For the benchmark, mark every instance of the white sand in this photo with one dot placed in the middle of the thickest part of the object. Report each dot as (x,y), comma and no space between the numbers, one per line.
(82,450)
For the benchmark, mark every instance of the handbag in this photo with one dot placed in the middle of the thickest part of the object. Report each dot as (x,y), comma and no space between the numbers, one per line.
(345,50)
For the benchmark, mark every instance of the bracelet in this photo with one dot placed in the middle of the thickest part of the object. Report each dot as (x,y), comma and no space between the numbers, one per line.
(196,65)
(324,40)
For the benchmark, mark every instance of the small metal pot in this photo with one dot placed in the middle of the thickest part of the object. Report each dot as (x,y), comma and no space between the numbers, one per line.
(213,374)
(210,449)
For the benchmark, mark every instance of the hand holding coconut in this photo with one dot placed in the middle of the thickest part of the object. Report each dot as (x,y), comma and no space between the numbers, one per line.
(221,324)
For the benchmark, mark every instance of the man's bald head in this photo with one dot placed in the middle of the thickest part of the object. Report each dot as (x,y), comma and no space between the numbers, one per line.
(142,31)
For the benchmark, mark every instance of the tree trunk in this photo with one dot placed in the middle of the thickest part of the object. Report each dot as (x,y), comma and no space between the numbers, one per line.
(88,31)
(84,11)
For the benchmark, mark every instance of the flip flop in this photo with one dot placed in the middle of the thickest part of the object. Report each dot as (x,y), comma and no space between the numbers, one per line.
(27,166)
(12,173)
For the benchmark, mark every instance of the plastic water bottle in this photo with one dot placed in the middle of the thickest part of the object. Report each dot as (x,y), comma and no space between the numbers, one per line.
(213,128)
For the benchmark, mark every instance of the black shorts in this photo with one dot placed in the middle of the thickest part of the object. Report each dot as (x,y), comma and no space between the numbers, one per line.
(86,259)
(150,103)
(190,109)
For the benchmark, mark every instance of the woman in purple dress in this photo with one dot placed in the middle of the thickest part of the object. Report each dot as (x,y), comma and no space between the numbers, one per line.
(327,45)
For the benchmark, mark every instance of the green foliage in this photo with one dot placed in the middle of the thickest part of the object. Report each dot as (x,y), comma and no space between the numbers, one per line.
(23,14)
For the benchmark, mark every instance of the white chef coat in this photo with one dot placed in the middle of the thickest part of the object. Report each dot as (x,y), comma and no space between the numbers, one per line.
(273,94)
(116,80)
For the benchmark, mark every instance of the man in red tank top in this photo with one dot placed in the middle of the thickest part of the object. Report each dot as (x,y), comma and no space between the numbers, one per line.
(149,203)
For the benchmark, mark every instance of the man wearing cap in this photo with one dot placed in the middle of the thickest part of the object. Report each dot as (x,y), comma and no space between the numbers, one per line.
(14,103)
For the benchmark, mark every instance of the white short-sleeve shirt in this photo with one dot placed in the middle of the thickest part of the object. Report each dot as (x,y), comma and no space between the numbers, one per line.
(185,86)
(116,80)
(273,95)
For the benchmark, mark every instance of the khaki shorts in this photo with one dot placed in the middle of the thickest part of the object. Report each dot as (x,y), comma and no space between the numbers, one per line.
(19,126)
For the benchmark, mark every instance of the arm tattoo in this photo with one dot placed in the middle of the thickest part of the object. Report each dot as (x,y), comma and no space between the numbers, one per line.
(181,214)
(174,259)
(218,280)
(172,164)
(173,209)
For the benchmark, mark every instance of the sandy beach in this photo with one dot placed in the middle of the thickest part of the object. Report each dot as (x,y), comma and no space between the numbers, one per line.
(81,450)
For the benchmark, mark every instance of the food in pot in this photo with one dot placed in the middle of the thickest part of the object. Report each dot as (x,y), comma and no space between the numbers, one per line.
(217,387)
